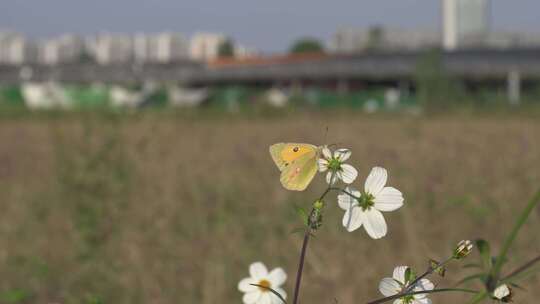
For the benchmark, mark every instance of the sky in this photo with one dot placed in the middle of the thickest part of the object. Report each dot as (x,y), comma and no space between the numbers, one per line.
(265,25)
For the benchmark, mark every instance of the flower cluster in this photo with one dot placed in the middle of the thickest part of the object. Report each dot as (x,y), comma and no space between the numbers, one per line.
(363,208)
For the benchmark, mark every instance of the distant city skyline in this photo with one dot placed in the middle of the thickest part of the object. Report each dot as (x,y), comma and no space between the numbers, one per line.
(268,26)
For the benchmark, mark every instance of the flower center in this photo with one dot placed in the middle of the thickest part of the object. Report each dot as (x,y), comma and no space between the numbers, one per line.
(264,285)
(407,299)
(334,164)
(366,201)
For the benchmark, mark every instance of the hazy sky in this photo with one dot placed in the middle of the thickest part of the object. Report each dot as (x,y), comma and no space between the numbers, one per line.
(266,25)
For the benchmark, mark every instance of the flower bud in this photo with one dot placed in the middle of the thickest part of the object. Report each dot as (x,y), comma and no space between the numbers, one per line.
(463,249)
(318,205)
(503,293)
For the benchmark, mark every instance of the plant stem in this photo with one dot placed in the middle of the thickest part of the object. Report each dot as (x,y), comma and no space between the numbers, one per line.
(307,234)
(429,271)
(301,265)
(522,268)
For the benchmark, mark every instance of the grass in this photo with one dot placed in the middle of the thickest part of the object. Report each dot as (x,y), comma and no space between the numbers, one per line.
(172,208)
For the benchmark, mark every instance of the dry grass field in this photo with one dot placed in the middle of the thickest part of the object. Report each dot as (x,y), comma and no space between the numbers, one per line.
(161,208)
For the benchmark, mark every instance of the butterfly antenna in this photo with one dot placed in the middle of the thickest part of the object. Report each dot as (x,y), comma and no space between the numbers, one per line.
(325,135)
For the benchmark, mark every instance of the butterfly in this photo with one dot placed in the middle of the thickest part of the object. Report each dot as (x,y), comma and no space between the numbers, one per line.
(297,163)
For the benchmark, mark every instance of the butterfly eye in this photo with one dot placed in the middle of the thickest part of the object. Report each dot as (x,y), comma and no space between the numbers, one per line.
(295,149)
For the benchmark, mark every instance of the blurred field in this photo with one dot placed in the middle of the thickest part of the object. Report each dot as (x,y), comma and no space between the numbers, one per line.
(159,208)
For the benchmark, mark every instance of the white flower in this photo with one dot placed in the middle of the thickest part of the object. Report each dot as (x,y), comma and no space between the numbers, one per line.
(503,293)
(400,281)
(365,208)
(259,275)
(337,169)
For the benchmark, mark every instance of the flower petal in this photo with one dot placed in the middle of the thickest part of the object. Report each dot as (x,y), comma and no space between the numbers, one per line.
(345,201)
(389,287)
(423,284)
(389,199)
(277,277)
(348,173)
(374,223)
(376,180)
(398,301)
(342,154)
(266,298)
(244,285)
(422,301)
(252,297)
(332,175)
(352,219)
(323,164)
(258,271)
(326,153)
(399,273)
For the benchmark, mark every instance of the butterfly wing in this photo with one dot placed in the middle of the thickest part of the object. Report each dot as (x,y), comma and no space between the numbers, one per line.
(299,173)
(284,154)
(275,152)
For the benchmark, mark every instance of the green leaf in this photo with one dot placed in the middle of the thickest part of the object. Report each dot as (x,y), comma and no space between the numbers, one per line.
(303,215)
(409,275)
(485,252)
(495,271)
(479,297)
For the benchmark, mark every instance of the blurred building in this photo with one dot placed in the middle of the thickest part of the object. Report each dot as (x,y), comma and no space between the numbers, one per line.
(205,46)
(168,47)
(509,40)
(15,49)
(465,23)
(141,47)
(64,49)
(382,38)
(111,48)
(162,47)
(241,51)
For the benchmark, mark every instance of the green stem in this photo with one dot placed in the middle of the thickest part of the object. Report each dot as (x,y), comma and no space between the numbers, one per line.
(494,274)
(346,192)
(479,297)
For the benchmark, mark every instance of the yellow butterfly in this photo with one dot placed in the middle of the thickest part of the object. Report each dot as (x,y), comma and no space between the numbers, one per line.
(297,163)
